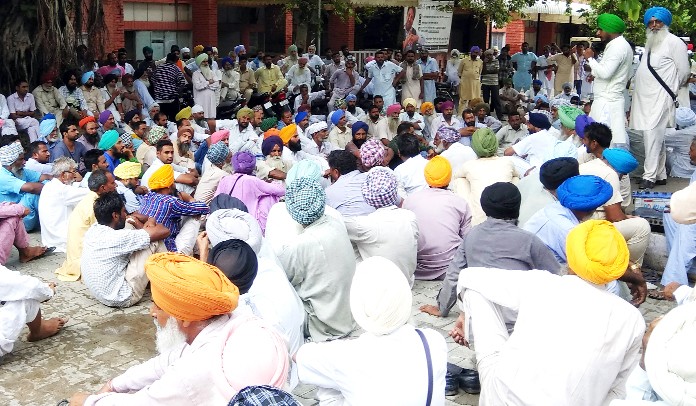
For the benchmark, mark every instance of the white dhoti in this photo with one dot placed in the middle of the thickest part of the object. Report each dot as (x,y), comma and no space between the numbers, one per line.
(655,153)
(611,113)
(14,315)
(186,238)
(135,271)
(31,125)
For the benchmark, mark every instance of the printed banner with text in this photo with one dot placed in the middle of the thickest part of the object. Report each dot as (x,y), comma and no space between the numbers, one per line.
(428,25)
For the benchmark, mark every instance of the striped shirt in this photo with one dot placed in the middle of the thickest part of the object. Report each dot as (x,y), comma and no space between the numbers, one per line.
(168,210)
(167,80)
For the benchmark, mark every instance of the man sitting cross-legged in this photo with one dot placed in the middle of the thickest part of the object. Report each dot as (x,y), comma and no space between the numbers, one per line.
(206,355)
(21,298)
(113,260)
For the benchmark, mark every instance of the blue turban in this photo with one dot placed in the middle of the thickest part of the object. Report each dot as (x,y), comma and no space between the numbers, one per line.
(621,160)
(218,153)
(536,82)
(269,143)
(581,122)
(108,140)
(358,125)
(541,97)
(351,97)
(660,13)
(337,116)
(49,116)
(305,200)
(225,60)
(539,120)
(306,168)
(584,192)
(86,76)
(301,116)
(238,49)
(46,127)
(475,48)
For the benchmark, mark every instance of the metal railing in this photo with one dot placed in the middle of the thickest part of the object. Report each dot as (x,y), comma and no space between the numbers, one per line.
(440,56)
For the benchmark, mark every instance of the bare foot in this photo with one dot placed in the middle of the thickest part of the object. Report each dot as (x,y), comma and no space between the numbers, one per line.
(457,332)
(29,253)
(430,309)
(48,328)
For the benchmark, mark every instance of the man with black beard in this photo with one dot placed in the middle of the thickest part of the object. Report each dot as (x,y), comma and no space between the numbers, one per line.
(147,63)
(89,130)
(351,106)
(653,107)
(77,106)
(372,120)
(92,95)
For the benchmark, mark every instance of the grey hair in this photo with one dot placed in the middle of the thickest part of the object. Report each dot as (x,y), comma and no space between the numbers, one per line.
(62,165)
(97,179)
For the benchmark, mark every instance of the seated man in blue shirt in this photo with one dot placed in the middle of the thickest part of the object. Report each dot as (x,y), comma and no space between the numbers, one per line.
(19,185)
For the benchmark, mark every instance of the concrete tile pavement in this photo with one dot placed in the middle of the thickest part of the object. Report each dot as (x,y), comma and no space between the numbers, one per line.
(100,342)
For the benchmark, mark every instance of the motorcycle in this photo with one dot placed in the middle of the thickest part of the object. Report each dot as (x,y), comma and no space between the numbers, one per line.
(273,103)
(227,110)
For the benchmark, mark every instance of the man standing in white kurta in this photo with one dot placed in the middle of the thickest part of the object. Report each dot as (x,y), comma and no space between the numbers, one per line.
(611,74)
(652,110)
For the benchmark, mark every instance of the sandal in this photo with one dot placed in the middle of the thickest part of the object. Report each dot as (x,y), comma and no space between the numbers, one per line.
(657,294)
(48,252)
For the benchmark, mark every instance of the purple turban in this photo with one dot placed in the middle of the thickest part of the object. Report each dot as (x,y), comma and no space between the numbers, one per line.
(269,143)
(225,60)
(372,153)
(104,116)
(581,122)
(449,104)
(475,48)
(244,162)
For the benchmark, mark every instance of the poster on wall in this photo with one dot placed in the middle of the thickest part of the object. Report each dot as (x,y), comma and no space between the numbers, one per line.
(428,24)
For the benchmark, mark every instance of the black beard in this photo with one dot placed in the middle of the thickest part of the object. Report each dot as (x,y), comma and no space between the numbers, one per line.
(351,109)
(295,146)
(374,118)
(92,138)
(358,143)
(88,86)
(71,88)
(470,123)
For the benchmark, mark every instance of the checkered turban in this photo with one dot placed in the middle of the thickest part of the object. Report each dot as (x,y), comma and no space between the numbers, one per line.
(380,187)
(155,134)
(126,139)
(305,200)
(448,134)
(263,396)
(217,153)
(10,153)
(372,153)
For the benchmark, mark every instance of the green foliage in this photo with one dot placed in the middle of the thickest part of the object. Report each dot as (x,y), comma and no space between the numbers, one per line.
(498,10)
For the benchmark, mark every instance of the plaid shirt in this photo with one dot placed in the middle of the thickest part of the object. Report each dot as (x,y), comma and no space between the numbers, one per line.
(262,396)
(167,80)
(168,210)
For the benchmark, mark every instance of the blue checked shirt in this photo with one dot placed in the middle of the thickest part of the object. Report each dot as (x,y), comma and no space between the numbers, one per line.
(168,210)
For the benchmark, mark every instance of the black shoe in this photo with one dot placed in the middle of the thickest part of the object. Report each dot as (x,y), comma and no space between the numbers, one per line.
(661,182)
(451,384)
(646,184)
(469,382)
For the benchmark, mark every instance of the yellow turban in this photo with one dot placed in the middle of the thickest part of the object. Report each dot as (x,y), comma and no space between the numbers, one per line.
(189,289)
(597,252)
(245,112)
(288,132)
(438,172)
(198,49)
(127,170)
(425,106)
(410,101)
(184,113)
(161,178)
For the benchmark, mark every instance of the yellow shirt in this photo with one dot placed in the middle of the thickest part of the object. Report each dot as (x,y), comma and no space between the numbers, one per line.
(267,77)
(80,220)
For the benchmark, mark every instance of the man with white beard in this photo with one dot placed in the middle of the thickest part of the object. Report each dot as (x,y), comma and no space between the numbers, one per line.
(386,129)
(610,75)
(206,354)
(653,107)
(230,80)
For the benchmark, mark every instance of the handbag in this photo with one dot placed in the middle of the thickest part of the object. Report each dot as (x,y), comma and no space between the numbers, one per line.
(430,367)
(662,82)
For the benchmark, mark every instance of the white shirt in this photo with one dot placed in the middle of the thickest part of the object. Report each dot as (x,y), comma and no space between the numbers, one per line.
(241,140)
(388,232)
(156,164)
(598,167)
(411,175)
(612,72)
(55,205)
(297,77)
(362,368)
(457,154)
(36,166)
(416,119)
(508,136)
(535,148)
(593,372)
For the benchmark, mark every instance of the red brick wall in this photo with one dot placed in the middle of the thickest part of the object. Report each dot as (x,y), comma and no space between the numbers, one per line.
(342,32)
(289,38)
(113,17)
(205,33)
(514,35)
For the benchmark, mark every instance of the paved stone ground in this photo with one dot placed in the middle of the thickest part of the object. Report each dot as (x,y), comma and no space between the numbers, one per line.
(99,342)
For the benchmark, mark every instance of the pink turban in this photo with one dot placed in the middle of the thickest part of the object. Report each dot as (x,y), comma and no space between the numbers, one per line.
(218,136)
(394,108)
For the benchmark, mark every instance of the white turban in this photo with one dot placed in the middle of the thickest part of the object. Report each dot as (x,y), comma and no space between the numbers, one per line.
(685,117)
(197,108)
(558,102)
(228,224)
(563,149)
(316,127)
(375,308)
(669,358)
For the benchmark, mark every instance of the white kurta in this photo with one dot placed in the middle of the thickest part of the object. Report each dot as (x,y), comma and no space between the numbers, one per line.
(389,232)
(56,202)
(204,94)
(583,354)
(651,101)
(361,369)
(21,296)
(611,74)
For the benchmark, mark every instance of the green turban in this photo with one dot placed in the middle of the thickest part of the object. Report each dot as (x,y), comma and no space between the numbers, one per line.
(292,47)
(568,114)
(245,112)
(268,123)
(484,106)
(611,23)
(484,142)
(200,58)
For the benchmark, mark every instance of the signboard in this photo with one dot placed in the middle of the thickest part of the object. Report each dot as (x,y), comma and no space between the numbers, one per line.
(428,25)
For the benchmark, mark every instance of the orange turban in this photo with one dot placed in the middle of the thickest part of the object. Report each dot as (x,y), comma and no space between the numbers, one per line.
(288,132)
(272,131)
(597,252)
(438,172)
(88,119)
(189,289)
(161,178)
